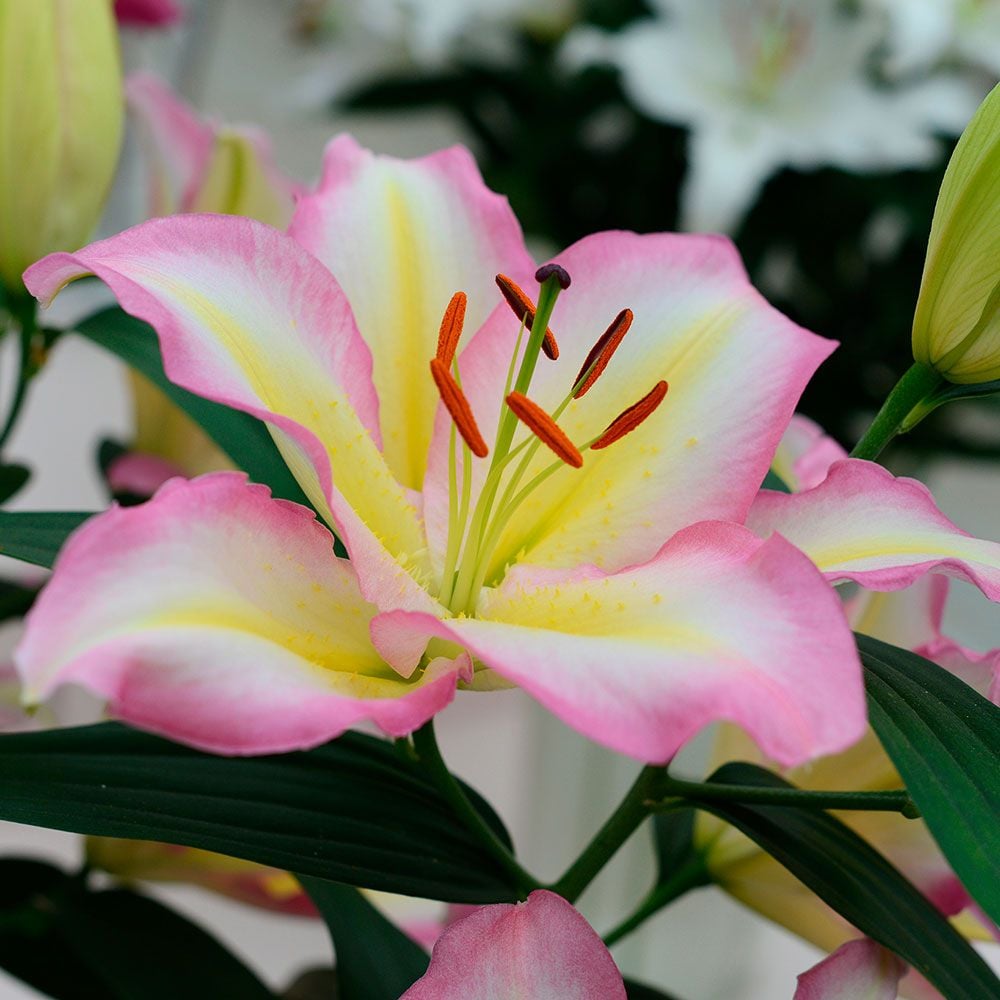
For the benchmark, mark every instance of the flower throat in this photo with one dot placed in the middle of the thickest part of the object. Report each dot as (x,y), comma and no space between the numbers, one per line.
(474,534)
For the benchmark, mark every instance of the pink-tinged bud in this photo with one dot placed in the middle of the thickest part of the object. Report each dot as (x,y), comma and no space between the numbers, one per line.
(143,860)
(61,111)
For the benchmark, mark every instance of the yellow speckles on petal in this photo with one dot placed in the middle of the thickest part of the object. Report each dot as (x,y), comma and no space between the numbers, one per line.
(691,442)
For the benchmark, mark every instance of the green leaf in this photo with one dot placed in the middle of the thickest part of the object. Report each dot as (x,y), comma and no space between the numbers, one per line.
(944,739)
(37,536)
(673,841)
(12,478)
(861,885)
(772,481)
(75,943)
(352,811)
(245,439)
(375,959)
(15,599)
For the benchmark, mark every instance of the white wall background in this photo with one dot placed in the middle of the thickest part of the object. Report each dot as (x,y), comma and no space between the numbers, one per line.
(552,787)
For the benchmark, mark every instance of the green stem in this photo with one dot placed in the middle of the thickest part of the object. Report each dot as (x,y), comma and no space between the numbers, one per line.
(429,754)
(688,876)
(910,391)
(623,822)
(890,801)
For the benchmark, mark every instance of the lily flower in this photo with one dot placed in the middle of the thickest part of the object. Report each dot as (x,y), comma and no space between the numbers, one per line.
(910,618)
(764,85)
(857,970)
(595,556)
(541,948)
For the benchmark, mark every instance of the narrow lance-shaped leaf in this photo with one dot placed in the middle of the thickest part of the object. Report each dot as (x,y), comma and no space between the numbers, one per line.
(944,739)
(351,811)
(859,883)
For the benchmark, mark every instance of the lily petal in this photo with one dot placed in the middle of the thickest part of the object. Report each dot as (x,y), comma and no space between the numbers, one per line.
(858,970)
(248,318)
(434,228)
(736,368)
(221,618)
(541,949)
(864,524)
(716,626)
(805,454)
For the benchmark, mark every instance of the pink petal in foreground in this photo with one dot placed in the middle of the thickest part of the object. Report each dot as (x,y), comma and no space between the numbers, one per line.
(858,970)
(221,618)
(542,949)
(717,626)
(863,524)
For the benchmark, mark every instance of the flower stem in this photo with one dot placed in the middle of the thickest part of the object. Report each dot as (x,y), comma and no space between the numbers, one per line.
(688,876)
(429,754)
(918,382)
(623,822)
(24,311)
(890,801)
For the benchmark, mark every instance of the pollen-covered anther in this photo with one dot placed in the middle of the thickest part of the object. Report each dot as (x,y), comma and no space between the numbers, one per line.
(544,428)
(451,328)
(629,419)
(459,408)
(524,309)
(602,352)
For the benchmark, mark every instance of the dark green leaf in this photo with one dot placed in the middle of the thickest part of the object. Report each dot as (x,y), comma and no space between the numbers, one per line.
(245,439)
(375,959)
(15,599)
(37,536)
(852,877)
(12,478)
(944,739)
(772,481)
(673,841)
(353,811)
(75,943)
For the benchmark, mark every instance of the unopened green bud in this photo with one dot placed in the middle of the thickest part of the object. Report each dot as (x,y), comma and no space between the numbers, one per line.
(956,327)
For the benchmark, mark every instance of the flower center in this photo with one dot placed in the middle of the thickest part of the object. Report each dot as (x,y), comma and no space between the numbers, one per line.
(474,531)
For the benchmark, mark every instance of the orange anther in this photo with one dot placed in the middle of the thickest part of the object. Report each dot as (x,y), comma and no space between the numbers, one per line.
(629,419)
(459,408)
(524,309)
(544,428)
(601,353)
(451,328)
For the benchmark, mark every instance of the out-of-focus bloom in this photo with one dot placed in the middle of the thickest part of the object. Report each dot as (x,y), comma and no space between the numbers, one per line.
(635,610)
(857,970)
(909,618)
(956,326)
(148,13)
(541,949)
(764,85)
(433,30)
(195,165)
(12,714)
(61,120)
(258,885)
(923,32)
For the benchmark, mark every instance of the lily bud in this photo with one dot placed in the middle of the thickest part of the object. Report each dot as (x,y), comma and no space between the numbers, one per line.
(956,327)
(61,113)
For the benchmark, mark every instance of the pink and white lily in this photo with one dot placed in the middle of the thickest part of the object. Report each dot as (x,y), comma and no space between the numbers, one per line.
(541,948)
(627,595)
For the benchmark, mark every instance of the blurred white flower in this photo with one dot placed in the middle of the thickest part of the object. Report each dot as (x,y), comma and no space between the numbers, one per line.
(925,31)
(433,30)
(764,84)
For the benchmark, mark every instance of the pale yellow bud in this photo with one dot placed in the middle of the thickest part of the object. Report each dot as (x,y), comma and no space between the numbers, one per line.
(956,327)
(61,111)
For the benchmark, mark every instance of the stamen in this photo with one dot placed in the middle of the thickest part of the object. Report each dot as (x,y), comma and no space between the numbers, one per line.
(602,352)
(544,428)
(556,271)
(451,328)
(629,419)
(524,309)
(459,408)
